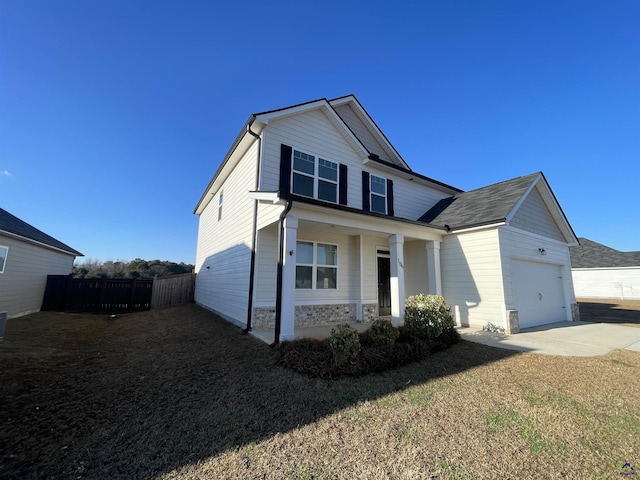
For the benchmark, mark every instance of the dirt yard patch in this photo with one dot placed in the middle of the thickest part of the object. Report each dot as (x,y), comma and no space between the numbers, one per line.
(179,393)
(623,312)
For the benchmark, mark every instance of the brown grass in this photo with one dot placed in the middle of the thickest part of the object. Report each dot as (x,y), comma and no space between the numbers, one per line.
(178,393)
(622,312)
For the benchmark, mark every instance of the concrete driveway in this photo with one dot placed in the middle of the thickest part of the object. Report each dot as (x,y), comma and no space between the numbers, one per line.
(571,339)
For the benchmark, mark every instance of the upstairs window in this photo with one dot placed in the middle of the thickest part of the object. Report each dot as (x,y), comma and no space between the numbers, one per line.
(316,265)
(378,189)
(3,257)
(220,200)
(314,178)
(327,180)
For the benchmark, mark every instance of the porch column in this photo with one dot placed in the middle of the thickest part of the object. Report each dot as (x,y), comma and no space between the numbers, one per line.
(289,279)
(433,267)
(396,249)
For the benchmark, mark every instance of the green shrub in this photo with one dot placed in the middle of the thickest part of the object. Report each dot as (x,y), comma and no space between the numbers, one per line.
(345,344)
(427,316)
(382,332)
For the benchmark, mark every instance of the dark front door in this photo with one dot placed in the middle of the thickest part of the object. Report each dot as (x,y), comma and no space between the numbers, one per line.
(384,286)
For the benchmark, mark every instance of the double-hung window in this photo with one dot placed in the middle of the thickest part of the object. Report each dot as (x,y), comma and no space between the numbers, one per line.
(3,257)
(378,190)
(314,178)
(316,265)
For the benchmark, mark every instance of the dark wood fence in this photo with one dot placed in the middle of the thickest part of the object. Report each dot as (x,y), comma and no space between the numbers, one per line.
(116,295)
(173,290)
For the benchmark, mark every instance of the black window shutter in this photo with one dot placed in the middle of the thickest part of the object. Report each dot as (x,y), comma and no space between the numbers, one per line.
(366,201)
(342,187)
(389,197)
(285,168)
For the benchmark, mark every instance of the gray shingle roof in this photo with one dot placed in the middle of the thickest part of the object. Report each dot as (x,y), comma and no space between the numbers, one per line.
(12,224)
(483,206)
(590,254)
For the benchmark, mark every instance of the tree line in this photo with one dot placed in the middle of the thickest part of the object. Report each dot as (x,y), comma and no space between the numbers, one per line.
(137,268)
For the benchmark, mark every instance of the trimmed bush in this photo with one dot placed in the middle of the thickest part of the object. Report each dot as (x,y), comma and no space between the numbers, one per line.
(345,344)
(427,316)
(428,328)
(381,332)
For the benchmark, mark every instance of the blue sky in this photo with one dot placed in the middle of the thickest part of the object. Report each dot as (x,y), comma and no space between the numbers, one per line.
(114,115)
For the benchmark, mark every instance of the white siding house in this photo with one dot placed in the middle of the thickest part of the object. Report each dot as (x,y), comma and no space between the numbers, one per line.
(27,256)
(603,272)
(322,221)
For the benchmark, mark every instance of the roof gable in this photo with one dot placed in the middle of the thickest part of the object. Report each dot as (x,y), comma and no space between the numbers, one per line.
(363,126)
(13,226)
(533,215)
(350,119)
(483,206)
(499,204)
(590,254)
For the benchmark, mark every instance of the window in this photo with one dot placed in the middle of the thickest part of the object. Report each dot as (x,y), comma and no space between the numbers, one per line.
(3,257)
(316,265)
(314,179)
(220,200)
(378,189)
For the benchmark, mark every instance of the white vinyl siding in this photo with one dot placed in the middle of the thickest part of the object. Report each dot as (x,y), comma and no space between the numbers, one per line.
(416,278)
(313,132)
(534,216)
(24,279)
(266,266)
(225,246)
(621,282)
(370,266)
(472,277)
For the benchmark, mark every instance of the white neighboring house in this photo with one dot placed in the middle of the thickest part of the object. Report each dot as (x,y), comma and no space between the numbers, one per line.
(313,217)
(27,256)
(603,272)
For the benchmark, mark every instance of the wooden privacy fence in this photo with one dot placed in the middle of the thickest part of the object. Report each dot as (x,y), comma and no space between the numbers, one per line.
(173,290)
(115,295)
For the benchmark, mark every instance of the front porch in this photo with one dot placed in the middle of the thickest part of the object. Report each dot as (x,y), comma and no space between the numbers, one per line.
(338,267)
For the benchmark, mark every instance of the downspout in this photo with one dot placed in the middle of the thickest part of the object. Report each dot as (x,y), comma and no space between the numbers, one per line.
(255,230)
(283,215)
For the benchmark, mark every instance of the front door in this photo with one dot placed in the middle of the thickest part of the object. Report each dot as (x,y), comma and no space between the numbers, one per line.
(384,286)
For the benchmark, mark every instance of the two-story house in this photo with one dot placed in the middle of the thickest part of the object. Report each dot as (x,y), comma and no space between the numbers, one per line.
(313,217)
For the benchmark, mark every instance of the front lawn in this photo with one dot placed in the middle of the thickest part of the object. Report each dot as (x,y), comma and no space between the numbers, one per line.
(179,393)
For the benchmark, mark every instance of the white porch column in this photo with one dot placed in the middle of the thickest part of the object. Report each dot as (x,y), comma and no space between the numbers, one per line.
(289,279)
(433,267)
(396,249)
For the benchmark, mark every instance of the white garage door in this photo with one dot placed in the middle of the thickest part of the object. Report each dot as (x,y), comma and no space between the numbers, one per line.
(538,293)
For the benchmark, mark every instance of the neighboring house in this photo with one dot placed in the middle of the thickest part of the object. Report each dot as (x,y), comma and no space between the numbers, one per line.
(27,256)
(603,272)
(313,217)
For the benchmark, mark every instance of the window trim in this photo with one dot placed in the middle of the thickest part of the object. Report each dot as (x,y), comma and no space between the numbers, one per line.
(316,176)
(314,265)
(372,193)
(4,262)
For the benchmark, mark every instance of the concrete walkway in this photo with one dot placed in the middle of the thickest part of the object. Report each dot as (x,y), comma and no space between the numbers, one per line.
(571,339)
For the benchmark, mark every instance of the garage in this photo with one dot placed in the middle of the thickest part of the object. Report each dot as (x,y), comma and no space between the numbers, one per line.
(538,293)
